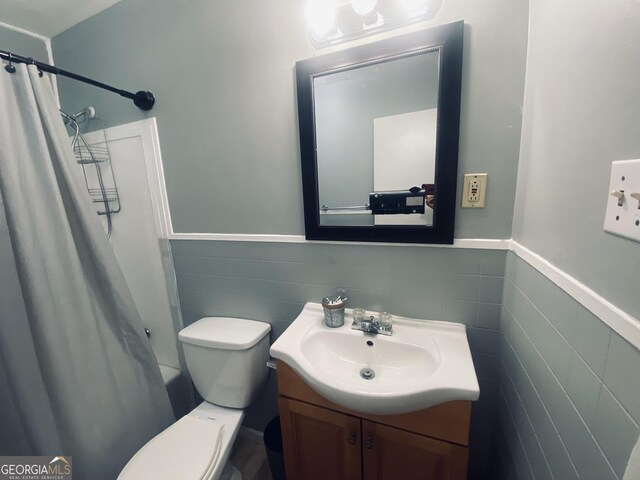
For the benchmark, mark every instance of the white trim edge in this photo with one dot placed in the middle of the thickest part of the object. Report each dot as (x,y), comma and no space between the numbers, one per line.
(474,243)
(626,325)
(24,31)
(238,237)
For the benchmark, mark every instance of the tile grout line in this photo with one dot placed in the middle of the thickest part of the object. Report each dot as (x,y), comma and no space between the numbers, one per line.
(544,455)
(535,390)
(564,391)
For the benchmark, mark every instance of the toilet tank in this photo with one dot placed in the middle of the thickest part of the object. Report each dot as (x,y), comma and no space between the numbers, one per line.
(227,359)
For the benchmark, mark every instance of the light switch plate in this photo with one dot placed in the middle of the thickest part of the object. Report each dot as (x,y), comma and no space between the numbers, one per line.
(474,190)
(623,201)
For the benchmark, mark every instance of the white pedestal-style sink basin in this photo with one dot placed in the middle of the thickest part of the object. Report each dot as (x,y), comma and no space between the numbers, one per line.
(422,364)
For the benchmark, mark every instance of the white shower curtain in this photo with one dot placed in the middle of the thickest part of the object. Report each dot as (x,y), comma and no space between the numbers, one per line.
(77,373)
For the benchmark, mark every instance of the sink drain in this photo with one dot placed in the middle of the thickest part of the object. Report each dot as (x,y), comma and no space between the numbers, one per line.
(367,373)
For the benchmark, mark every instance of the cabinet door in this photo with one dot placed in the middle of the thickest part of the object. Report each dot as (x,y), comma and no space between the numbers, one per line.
(319,444)
(390,453)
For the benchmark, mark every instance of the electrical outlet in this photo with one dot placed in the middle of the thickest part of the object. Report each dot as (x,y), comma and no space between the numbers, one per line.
(474,190)
(623,203)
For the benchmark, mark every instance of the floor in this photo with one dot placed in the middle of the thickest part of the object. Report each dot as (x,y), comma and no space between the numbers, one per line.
(250,457)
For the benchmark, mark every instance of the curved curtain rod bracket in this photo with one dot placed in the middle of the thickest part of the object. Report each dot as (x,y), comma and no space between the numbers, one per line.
(144,100)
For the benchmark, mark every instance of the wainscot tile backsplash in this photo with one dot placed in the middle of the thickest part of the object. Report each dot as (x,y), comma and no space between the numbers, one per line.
(568,399)
(271,282)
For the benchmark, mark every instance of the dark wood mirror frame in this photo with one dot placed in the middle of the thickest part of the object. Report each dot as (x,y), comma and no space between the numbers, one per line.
(449,40)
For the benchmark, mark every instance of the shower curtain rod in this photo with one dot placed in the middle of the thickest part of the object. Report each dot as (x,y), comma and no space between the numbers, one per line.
(142,99)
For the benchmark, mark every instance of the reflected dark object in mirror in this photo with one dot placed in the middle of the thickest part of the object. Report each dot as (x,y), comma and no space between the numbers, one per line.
(396,203)
(339,174)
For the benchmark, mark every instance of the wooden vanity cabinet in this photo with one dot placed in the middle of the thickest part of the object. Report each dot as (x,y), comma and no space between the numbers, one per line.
(390,453)
(323,440)
(319,444)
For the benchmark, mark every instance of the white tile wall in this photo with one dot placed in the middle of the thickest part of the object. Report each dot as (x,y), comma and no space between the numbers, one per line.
(569,387)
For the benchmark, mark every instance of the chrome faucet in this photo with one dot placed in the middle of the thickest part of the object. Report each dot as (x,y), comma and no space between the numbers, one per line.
(372,325)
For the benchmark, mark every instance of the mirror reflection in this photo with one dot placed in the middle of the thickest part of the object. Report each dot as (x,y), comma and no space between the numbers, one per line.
(376,129)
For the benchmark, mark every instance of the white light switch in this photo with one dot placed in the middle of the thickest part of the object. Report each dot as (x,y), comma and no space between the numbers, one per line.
(474,190)
(623,202)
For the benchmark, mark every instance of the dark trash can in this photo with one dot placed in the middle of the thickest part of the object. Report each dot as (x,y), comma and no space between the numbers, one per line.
(273,445)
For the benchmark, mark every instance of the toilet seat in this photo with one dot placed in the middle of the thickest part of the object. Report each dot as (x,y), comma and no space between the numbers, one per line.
(189,449)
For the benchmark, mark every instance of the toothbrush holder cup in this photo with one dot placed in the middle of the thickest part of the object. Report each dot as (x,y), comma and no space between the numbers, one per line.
(333,312)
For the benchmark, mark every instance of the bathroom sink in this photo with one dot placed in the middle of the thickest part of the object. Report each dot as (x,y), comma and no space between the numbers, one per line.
(424,362)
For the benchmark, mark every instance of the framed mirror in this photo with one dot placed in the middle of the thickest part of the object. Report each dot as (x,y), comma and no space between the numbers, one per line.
(379,128)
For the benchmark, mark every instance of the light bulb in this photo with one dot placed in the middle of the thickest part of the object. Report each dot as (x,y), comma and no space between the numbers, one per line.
(321,16)
(363,7)
(413,6)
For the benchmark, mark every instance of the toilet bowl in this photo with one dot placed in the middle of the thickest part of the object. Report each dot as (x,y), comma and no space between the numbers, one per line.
(226,358)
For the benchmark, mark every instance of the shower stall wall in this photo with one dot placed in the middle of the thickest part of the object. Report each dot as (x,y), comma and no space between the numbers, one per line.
(142,247)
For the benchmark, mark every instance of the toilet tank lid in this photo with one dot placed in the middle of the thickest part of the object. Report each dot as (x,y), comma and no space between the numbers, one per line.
(225,333)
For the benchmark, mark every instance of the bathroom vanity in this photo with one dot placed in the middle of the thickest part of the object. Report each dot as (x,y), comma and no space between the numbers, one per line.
(323,440)
(354,405)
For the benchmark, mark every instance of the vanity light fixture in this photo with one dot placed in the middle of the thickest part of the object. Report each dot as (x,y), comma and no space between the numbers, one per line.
(336,21)
(321,16)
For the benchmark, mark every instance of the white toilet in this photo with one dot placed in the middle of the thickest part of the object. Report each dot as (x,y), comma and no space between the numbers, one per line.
(226,358)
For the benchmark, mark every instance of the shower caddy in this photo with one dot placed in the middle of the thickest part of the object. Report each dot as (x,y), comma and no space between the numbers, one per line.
(95,160)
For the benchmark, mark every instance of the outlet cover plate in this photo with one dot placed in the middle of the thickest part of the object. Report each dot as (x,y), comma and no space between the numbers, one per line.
(624,220)
(474,190)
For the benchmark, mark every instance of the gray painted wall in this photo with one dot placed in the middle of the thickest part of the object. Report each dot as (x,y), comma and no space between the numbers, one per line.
(581,113)
(223,74)
(22,44)
(271,282)
(568,403)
